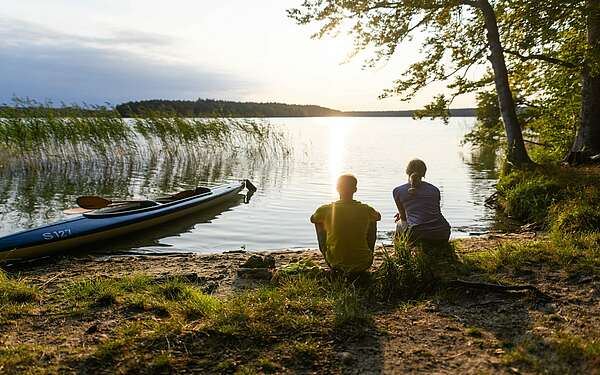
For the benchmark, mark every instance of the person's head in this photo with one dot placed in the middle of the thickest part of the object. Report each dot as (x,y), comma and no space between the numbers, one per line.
(415,170)
(346,186)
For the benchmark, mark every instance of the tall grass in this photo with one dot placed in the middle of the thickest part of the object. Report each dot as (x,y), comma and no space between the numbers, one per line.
(35,133)
(404,272)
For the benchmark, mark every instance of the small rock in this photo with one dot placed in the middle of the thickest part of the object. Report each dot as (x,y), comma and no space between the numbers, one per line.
(255,273)
(256,261)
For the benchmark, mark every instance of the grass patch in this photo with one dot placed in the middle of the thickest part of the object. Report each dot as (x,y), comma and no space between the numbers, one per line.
(141,293)
(287,324)
(564,353)
(21,359)
(575,254)
(16,297)
(566,200)
(412,269)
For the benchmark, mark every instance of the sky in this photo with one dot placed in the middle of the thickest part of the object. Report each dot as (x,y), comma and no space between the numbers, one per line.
(112,51)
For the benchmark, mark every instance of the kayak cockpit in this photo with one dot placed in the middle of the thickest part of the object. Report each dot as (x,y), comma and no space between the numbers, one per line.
(133,207)
(124,207)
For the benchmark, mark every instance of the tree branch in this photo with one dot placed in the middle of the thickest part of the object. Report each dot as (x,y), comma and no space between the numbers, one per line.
(548,59)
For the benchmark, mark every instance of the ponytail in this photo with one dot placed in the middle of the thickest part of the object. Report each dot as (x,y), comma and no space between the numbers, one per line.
(416,171)
(415,181)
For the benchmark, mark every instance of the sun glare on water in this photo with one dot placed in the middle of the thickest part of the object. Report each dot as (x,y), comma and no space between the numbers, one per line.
(339,130)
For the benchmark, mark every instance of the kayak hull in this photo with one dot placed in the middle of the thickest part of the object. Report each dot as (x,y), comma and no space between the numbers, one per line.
(94,228)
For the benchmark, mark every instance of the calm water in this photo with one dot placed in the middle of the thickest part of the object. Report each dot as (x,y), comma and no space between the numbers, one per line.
(376,150)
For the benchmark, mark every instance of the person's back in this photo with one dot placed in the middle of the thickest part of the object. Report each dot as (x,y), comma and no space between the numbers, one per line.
(419,206)
(347,224)
(422,206)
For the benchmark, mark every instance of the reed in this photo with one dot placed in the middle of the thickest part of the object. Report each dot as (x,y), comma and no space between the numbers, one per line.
(34,133)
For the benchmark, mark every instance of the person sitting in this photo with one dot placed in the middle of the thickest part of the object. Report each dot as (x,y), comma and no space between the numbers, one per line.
(346,229)
(419,214)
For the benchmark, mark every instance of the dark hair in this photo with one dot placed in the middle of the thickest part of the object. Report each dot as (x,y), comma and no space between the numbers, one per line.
(347,181)
(415,170)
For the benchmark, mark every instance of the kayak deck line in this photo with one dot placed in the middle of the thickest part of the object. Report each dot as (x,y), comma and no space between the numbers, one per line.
(107,223)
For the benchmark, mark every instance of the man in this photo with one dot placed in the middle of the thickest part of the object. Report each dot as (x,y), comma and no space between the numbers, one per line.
(346,229)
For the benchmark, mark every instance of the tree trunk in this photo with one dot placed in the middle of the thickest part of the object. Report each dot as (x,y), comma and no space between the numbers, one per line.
(587,140)
(516,152)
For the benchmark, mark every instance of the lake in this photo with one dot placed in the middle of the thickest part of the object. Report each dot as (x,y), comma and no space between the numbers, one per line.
(376,150)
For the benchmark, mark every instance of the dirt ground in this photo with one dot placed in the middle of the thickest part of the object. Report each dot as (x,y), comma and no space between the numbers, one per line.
(459,331)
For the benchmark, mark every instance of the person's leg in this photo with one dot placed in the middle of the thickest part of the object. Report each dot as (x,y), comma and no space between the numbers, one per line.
(372,235)
(322,240)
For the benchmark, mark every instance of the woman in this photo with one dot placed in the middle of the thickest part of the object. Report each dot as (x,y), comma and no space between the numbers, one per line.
(418,204)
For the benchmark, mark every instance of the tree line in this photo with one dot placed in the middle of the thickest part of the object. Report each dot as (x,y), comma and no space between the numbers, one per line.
(221,108)
(540,57)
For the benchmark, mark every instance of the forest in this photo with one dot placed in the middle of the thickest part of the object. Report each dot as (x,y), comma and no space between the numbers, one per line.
(222,108)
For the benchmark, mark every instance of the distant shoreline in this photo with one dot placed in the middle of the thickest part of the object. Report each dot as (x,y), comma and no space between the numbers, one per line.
(221,108)
(208,108)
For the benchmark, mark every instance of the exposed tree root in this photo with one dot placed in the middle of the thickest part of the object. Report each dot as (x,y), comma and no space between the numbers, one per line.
(500,288)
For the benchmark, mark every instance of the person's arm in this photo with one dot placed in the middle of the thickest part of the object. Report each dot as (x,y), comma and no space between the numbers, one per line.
(317,220)
(401,215)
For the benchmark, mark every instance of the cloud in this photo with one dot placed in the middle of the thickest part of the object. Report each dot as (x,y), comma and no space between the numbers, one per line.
(125,65)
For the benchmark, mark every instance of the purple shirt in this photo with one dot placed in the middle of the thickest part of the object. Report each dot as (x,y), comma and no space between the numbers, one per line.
(422,209)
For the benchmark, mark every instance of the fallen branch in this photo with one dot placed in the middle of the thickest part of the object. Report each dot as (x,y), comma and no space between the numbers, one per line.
(499,288)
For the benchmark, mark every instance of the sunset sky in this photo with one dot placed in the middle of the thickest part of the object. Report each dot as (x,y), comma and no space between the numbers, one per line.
(114,51)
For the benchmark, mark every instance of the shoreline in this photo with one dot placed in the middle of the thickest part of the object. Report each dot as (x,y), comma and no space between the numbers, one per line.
(215,273)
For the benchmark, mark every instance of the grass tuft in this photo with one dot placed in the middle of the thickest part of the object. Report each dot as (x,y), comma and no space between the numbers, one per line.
(406,272)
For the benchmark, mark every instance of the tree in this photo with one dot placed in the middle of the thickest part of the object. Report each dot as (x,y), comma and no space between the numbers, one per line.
(459,33)
(554,47)
(587,141)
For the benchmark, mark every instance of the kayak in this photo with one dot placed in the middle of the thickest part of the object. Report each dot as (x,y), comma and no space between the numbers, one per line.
(113,221)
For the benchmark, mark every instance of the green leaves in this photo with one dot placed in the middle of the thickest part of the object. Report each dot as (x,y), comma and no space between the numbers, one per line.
(454,44)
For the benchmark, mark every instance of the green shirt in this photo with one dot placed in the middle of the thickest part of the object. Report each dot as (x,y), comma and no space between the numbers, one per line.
(347,225)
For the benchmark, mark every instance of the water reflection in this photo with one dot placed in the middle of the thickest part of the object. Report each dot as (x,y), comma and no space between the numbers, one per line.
(482,163)
(31,197)
(338,132)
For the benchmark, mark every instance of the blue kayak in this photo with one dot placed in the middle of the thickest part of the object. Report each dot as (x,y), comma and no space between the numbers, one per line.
(110,222)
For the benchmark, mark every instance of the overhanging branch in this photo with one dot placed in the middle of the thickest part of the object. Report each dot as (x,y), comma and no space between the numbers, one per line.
(540,57)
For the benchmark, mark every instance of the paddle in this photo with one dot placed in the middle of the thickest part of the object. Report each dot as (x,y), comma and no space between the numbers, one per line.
(76,211)
(92,202)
